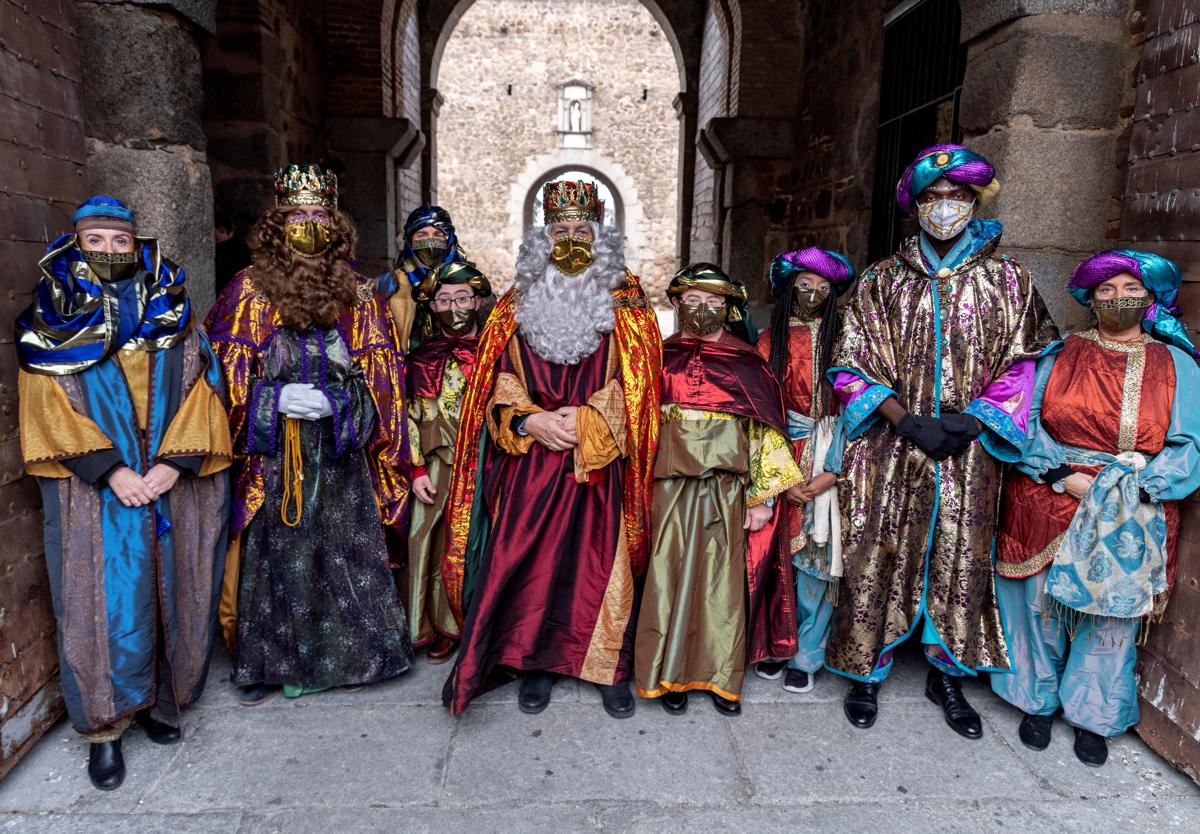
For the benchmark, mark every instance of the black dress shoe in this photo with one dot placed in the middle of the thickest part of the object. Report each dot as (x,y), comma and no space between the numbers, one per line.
(675,703)
(946,691)
(617,699)
(106,765)
(1090,748)
(158,732)
(769,670)
(726,706)
(862,704)
(1035,731)
(535,692)
(257,693)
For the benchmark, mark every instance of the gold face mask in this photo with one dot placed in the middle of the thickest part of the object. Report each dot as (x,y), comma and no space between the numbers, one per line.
(111,266)
(429,251)
(1119,314)
(701,319)
(456,322)
(807,300)
(572,255)
(308,238)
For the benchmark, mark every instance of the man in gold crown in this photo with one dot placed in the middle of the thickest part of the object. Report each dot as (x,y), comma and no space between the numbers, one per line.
(548,514)
(317,415)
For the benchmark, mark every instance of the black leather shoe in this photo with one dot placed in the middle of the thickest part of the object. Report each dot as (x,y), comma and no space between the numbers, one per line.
(257,693)
(946,691)
(158,732)
(862,704)
(726,706)
(618,700)
(675,703)
(1035,731)
(535,692)
(106,765)
(1090,748)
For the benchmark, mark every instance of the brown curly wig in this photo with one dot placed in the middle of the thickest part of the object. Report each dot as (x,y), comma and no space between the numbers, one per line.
(306,291)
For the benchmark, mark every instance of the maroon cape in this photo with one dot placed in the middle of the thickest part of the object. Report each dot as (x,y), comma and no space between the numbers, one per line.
(427,364)
(729,376)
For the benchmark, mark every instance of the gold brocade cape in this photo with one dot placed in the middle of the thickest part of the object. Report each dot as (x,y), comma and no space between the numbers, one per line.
(639,348)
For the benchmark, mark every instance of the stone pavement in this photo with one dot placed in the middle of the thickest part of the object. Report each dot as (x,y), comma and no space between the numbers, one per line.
(390,758)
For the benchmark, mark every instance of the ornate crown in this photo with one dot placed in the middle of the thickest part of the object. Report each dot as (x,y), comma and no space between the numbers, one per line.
(305,185)
(568,200)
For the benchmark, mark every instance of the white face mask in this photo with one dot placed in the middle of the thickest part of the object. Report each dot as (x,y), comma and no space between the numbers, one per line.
(944,219)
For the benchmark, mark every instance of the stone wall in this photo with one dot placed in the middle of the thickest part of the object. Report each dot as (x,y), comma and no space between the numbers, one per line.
(494,145)
(142,119)
(713,102)
(42,158)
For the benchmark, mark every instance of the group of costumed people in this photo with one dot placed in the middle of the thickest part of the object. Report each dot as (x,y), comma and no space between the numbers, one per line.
(334,470)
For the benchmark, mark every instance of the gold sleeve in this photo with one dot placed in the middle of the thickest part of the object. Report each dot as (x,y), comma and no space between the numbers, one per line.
(403,310)
(600,427)
(51,430)
(414,439)
(200,427)
(510,399)
(773,470)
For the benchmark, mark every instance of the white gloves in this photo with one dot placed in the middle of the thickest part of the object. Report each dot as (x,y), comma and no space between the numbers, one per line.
(300,401)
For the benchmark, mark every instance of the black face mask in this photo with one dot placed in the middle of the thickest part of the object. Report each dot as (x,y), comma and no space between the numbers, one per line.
(112,266)
(429,251)
(457,322)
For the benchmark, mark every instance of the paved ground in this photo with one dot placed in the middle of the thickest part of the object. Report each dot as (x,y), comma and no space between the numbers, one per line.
(390,759)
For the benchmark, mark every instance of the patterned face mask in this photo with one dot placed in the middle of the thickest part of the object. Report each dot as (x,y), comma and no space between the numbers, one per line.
(572,255)
(456,322)
(111,266)
(429,251)
(807,300)
(944,219)
(308,238)
(1119,314)
(701,319)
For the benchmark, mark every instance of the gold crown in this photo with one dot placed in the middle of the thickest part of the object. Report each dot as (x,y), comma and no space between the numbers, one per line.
(569,200)
(305,185)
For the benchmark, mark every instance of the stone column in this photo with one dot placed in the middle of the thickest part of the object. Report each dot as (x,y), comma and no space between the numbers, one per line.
(1046,98)
(431,105)
(372,150)
(140,65)
(686,108)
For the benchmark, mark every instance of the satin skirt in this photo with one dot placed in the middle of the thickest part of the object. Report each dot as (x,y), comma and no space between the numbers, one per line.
(691,631)
(429,613)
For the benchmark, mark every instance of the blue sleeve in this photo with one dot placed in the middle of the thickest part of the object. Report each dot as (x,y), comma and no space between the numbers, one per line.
(1174,473)
(1040,452)
(837,449)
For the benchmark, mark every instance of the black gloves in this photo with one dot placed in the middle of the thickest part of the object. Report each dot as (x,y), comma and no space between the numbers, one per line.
(940,437)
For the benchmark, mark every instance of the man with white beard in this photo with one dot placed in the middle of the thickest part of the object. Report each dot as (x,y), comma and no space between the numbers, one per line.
(549,505)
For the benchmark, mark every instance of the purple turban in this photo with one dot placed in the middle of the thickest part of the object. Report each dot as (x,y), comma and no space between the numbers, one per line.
(955,163)
(832,266)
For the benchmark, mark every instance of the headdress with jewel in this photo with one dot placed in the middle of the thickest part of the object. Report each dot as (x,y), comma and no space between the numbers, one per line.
(834,267)
(710,278)
(456,272)
(571,200)
(955,163)
(305,185)
(1160,275)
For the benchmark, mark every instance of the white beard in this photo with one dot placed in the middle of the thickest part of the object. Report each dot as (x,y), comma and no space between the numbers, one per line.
(563,317)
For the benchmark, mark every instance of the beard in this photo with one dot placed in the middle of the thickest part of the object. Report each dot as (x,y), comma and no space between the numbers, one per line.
(563,317)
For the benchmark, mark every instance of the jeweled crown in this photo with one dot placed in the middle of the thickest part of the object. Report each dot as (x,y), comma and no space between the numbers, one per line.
(305,185)
(570,200)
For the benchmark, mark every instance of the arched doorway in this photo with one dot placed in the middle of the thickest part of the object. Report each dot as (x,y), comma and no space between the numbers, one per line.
(610,197)
(532,88)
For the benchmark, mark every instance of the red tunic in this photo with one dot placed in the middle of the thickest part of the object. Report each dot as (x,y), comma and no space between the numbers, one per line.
(1081,406)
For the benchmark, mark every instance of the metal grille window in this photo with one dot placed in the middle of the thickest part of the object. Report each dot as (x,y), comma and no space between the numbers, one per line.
(923,65)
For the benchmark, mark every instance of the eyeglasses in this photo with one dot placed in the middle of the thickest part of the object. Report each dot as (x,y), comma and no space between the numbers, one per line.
(457,302)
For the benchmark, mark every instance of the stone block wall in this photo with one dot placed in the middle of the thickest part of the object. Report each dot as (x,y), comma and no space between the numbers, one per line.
(713,102)
(494,145)
(42,158)
(142,119)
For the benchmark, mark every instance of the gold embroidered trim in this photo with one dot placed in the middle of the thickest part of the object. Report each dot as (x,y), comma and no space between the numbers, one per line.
(1032,565)
(1131,390)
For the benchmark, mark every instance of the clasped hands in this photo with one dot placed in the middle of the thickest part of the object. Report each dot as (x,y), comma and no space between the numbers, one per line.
(940,437)
(301,401)
(556,430)
(134,490)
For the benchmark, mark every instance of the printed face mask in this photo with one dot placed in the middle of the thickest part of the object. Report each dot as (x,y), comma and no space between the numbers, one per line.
(572,255)
(111,266)
(807,300)
(944,219)
(1119,314)
(429,251)
(701,319)
(308,238)
(456,322)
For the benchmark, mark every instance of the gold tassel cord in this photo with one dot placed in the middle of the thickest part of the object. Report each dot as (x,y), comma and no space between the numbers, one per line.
(293,473)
